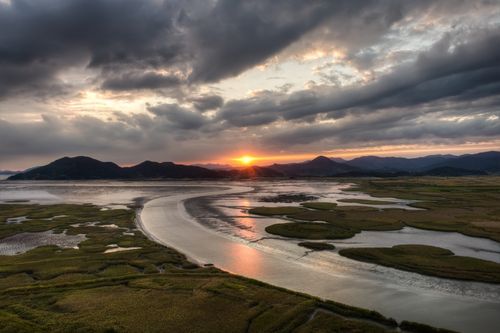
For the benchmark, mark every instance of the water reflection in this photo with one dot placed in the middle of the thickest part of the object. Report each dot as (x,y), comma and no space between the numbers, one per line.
(244,260)
(245,224)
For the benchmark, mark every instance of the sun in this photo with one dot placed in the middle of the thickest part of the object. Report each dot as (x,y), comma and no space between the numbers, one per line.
(246,160)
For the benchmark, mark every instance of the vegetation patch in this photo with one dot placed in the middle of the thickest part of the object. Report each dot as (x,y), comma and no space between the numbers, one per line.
(149,289)
(366,201)
(288,198)
(317,246)
(320,205)
(428,260)
(408,326)
(340,224)
(468,205)
(310,230)
(269,211)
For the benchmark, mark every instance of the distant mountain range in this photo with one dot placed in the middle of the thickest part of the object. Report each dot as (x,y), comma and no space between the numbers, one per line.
(398,163)
(321,166)
(82,167)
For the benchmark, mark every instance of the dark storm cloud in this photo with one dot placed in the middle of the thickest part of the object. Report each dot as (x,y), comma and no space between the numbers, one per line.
(238,35)
(207,102)
(249,112)
(386,127)
(140,81)
(179,117)
(40,38)
(210,40)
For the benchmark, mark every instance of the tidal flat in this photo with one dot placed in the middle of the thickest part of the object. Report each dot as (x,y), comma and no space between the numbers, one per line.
(213,228)
(148,288)
(444,205)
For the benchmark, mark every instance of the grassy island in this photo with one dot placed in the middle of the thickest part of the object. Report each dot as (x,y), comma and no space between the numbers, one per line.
(320,205)
(366,201)
(428,260)
(317,246)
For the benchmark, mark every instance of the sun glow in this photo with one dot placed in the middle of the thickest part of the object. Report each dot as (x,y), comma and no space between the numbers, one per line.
(246,160)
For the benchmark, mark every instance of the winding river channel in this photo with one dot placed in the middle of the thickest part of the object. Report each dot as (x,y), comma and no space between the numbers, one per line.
(208,222)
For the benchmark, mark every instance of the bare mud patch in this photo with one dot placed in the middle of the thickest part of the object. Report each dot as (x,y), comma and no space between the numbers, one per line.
(26,241)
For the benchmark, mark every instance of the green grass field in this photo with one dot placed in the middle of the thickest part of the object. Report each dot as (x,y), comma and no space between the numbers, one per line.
(151,289)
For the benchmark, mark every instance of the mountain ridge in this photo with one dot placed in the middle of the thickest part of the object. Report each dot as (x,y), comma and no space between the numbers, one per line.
(87,168)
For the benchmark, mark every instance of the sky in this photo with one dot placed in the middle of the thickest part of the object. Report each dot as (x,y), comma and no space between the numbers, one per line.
(210,80)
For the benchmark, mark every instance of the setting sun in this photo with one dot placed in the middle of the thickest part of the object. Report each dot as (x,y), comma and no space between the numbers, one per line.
(246,160)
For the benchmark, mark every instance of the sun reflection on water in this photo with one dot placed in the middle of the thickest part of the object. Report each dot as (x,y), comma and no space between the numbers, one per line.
(245,260)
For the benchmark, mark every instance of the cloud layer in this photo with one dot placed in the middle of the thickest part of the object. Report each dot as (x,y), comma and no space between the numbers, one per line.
(374,72)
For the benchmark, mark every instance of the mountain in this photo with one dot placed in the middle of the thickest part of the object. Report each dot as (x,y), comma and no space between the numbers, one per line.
(82,167)
(150,169)
(338,159)
(394,164)
(321,166)
(79,167)
(214,166)
(488,162)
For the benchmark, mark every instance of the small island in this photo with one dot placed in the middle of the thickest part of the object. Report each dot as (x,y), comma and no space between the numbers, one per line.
(428,260)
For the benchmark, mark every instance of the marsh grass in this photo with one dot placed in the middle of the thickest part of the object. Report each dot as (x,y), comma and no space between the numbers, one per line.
(320,205)
(317,246)
(151,289)
(428,260)
(468,205)
(366,201)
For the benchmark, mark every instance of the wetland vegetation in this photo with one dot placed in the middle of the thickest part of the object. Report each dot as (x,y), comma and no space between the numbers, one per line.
(428,260)
(467,205)
(317,246)
(147,288)
(320,205)
(366,201)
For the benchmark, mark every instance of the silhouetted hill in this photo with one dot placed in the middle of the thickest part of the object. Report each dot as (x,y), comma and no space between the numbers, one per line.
(214,166)
(80,167)
(321,166)
(487,162)
(398,163)
(150,169)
